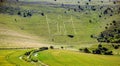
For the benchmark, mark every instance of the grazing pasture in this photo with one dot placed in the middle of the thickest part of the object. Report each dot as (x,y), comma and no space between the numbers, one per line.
(72,58)
(13,58)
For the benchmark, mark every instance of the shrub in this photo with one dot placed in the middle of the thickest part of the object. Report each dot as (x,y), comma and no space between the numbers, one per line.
(24,15)
(99,46)
(51,47)
(71,36)
(81,49)
(102,50)
(19,13)
(108,53)
(90,21)
(34,60)
(43,48)
(86,50)
(116,47)
(91,36)
(42,14)
(105,49)
(26,59)
(27,53)
(97,51)
(29,14)
(62,47)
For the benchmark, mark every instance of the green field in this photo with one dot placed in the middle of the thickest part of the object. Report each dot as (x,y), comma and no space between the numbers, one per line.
(3,54)
(12,58)
(71,58)
(58,57)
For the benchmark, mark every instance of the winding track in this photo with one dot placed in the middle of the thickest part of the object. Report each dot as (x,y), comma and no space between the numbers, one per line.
(8,57)
(13,58)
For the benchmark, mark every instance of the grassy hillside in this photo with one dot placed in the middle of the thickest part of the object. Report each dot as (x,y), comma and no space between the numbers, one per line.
(52,23)
(112,33)
(12,58)
(71,24)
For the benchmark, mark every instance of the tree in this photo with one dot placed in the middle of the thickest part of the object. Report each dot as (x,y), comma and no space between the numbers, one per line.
(99,46)
(104,49)
(97,51)
(113,21)
(100,16)
(90,21)
(29,14)
(19,13)
(89,0)
(71,36)
(87,3)
(27,53)
(86,50)
(108,53)
(1,0)
(17,0)
(62,47)
(42,14)
(81,49)
(114,2)
(116,47)
(24,15)
(34,59)
(43,48)
(51,47)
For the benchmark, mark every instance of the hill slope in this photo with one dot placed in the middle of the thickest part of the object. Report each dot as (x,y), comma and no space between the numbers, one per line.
(56,23)
(112,33)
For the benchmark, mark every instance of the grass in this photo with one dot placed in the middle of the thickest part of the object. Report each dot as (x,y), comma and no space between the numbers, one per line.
(57,57)
(3,61)
(12,58)
(73,2)
(18,31)
(36,26)
(71,58)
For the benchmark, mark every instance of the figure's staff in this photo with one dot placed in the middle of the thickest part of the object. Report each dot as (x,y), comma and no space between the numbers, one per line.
(48,26)
(73,25)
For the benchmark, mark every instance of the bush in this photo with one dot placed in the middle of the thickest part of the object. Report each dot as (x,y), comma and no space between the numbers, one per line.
(102,50)
(27,53)
(42,14)
(71,36)
(105,49)
(108,53)
(86,50)
(26,59)
(97,51)
(34,60)
(81,49)
(116,47)
(29,14)
(19,13)
(43,48)
(99,46)
(91,36)
(62,47)
(51,47)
